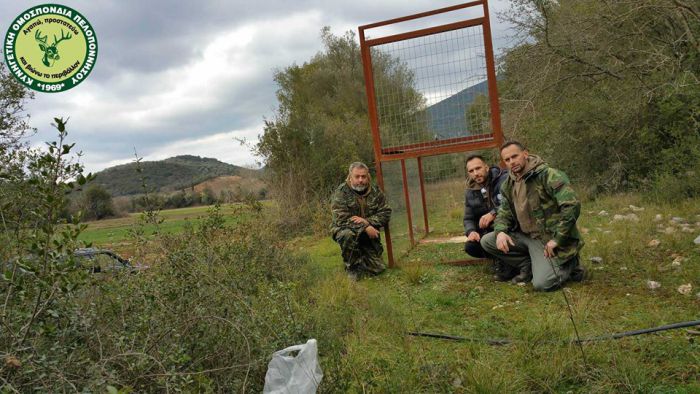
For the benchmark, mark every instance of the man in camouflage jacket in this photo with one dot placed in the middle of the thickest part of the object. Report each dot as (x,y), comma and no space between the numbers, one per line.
(535,229)
(359,212)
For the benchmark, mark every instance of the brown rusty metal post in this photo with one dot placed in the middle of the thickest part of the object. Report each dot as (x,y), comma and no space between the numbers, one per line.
(407,198)
(422,196)
(374,125)
(387,232)
(493,82)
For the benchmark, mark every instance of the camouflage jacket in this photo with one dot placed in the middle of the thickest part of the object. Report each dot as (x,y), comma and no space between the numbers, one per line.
(347,203)
(554,207)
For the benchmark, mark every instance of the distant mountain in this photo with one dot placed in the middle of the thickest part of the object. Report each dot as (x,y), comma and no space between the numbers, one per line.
(175,173)
(448,118)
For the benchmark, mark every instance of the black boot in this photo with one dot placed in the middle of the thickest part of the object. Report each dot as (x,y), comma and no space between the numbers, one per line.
(503,272)
(525,274)
(579,273)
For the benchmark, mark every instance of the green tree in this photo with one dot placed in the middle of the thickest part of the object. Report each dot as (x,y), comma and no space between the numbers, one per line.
(207,196)
(606,89)
(97,202)
(14,121)
(321,124)
(40,285)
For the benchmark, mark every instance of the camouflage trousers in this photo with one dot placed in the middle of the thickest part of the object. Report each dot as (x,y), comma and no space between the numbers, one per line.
(361,254)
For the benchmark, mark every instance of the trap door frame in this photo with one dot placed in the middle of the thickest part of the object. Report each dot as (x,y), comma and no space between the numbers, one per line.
(438,147)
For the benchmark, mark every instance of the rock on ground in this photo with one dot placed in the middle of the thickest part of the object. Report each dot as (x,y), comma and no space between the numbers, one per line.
(631,217)
(685,289)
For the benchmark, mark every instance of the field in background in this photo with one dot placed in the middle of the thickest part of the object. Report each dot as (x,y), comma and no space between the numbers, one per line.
(114,233)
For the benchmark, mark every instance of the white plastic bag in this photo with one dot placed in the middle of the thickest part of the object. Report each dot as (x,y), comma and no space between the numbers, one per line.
(300,374)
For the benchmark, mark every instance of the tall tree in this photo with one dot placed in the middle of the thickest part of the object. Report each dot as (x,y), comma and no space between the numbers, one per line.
(97,202)
(13,118)
(620,78)
(321,123)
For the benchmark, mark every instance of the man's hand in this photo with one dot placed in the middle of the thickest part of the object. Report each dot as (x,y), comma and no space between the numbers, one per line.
(372,232)
(549,248)
(359,220)
(502,241)
(486,220)
(474,236)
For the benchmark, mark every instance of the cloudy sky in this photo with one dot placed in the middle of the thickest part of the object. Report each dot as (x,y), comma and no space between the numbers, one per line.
(185,77)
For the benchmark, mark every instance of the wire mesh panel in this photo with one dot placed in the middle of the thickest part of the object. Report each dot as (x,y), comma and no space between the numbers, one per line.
(398,225)
(444,178)
(432,96)
(432,91)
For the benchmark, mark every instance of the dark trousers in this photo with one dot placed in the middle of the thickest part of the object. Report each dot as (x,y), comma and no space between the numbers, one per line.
(474,249)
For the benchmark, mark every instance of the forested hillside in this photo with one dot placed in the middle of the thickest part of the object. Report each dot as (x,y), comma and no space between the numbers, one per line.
(173,174)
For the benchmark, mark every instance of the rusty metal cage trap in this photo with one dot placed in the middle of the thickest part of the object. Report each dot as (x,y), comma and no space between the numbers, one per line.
(432,95)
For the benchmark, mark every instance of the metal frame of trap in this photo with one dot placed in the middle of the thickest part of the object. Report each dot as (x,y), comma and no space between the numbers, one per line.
(461,144)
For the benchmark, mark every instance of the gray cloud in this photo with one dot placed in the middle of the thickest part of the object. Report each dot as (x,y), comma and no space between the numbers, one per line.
(177,75)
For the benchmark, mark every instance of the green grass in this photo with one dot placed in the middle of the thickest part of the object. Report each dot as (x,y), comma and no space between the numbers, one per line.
(361,327)
(115,232)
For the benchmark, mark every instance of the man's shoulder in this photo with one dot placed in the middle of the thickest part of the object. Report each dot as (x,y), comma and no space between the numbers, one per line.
(375,191)
(498,175)
(341,191)
(555,177)
(343,186)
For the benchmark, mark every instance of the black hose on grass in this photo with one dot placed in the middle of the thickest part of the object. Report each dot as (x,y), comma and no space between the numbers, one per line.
(584,340)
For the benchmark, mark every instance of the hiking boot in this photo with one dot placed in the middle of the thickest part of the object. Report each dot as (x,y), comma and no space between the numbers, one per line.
(578,274)
(525,275)
(503,272)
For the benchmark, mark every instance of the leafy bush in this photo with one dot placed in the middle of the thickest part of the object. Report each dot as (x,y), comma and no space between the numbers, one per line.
(215,303)
(97,203)
(40,283)
(206,315)
(607,91)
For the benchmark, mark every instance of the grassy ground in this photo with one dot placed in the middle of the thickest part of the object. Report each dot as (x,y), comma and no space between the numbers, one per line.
(362,326)
(113,233)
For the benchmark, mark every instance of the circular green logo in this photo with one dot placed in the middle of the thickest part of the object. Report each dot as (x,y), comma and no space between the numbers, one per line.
(50,48)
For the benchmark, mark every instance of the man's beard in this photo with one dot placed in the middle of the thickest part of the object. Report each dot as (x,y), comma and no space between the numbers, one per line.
(359,188)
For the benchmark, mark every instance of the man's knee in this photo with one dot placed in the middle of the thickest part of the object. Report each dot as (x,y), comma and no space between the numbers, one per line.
(474,249)
(551,280)
(343,236)
(488,243)
(545,284)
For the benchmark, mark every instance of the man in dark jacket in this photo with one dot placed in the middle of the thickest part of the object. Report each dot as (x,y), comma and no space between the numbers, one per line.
(359,211)
(535,230)
(481,201)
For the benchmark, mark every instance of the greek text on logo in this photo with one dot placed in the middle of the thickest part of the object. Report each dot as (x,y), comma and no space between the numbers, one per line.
(50,48)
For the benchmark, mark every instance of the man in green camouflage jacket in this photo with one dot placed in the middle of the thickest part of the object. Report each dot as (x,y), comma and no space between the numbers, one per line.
(359,212)
(535,229)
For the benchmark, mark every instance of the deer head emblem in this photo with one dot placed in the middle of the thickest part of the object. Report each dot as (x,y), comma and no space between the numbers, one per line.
(50,51)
